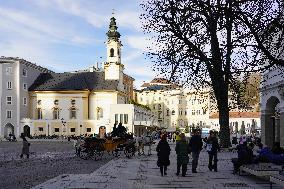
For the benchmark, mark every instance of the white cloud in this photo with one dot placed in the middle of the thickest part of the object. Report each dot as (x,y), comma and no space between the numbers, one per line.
(139,42)
(129,19)
(37,28)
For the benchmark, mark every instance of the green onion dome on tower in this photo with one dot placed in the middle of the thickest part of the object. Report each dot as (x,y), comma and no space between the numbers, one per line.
(112,33)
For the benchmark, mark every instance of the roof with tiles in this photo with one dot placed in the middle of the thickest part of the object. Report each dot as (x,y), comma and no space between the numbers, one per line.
(27,63)
(159,87)
(237,115)
(73,81)
(160,80)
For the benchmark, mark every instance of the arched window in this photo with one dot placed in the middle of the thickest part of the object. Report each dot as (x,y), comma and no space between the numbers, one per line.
(100,113)
(39,113)
(73,102)
(56,102)
(73,113)
(118,52)
(56,113)
(173,112)
(111,52)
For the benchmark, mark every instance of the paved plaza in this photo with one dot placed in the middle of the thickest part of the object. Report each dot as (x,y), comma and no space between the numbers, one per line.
(141,172)
(48,159)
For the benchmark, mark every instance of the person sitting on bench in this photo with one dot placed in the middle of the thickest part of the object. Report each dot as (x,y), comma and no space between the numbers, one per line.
(245,156)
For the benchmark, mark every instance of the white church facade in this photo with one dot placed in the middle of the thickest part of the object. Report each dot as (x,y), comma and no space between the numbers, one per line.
(77,103)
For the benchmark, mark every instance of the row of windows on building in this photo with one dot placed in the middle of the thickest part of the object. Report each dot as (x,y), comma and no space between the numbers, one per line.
(56,102)
(9,100)
(56,113)
(72,113)
(10,86)
(72,130)
(192,101)
(181,112)
(121,118)
(9,70)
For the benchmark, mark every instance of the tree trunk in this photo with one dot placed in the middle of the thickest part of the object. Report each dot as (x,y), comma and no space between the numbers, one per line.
(224,124)
(222,97)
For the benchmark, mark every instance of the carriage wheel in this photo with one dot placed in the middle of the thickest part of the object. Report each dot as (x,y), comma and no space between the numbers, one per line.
(98,155)
(115,152)
(129,152)
(85,154)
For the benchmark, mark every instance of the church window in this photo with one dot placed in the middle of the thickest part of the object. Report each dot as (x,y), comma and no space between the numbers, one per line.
(56,113)
(100,113)
(111,52)
(73,102)
(39,113)
(121,118)
(116,118)
(73,113)
(173,112)
(56,102)
(125,119)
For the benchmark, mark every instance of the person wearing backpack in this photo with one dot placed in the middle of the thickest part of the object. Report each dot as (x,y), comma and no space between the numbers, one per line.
(212,147)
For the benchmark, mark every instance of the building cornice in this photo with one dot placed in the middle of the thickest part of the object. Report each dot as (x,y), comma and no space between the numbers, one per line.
(61,92)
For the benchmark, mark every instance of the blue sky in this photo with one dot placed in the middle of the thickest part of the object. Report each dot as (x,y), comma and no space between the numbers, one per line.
(68,35)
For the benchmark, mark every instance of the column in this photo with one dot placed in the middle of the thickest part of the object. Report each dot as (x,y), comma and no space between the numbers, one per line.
(277,129)
(281,129)
(46,128)
(266,128)
(32,128)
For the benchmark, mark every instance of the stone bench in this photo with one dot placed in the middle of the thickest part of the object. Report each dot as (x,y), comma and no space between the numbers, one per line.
(276,179)
(261,169)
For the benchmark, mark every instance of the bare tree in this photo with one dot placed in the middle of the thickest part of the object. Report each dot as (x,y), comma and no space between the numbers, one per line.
(208,42)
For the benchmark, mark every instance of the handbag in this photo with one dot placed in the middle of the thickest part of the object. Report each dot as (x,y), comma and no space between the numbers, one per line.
(208,147)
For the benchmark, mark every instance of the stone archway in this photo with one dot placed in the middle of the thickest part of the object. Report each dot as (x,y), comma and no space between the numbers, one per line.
(9,129)
(270,122)
(27,131)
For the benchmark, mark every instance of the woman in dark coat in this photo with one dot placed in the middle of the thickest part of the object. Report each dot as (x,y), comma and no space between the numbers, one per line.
(26,147)
(164,151)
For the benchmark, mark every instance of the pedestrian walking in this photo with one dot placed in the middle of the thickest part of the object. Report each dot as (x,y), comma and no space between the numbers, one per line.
(195,145)
(212,147)
(164,151)
(174,137)
(26,147)
(182,151)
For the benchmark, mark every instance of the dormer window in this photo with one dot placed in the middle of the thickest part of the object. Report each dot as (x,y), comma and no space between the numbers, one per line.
(111,52)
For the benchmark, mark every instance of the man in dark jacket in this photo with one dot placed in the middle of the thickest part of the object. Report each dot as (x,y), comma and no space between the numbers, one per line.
(182,151)
(195,145)
(212,148)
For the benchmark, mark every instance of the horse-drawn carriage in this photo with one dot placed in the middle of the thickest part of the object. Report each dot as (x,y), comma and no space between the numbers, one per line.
(94,148)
